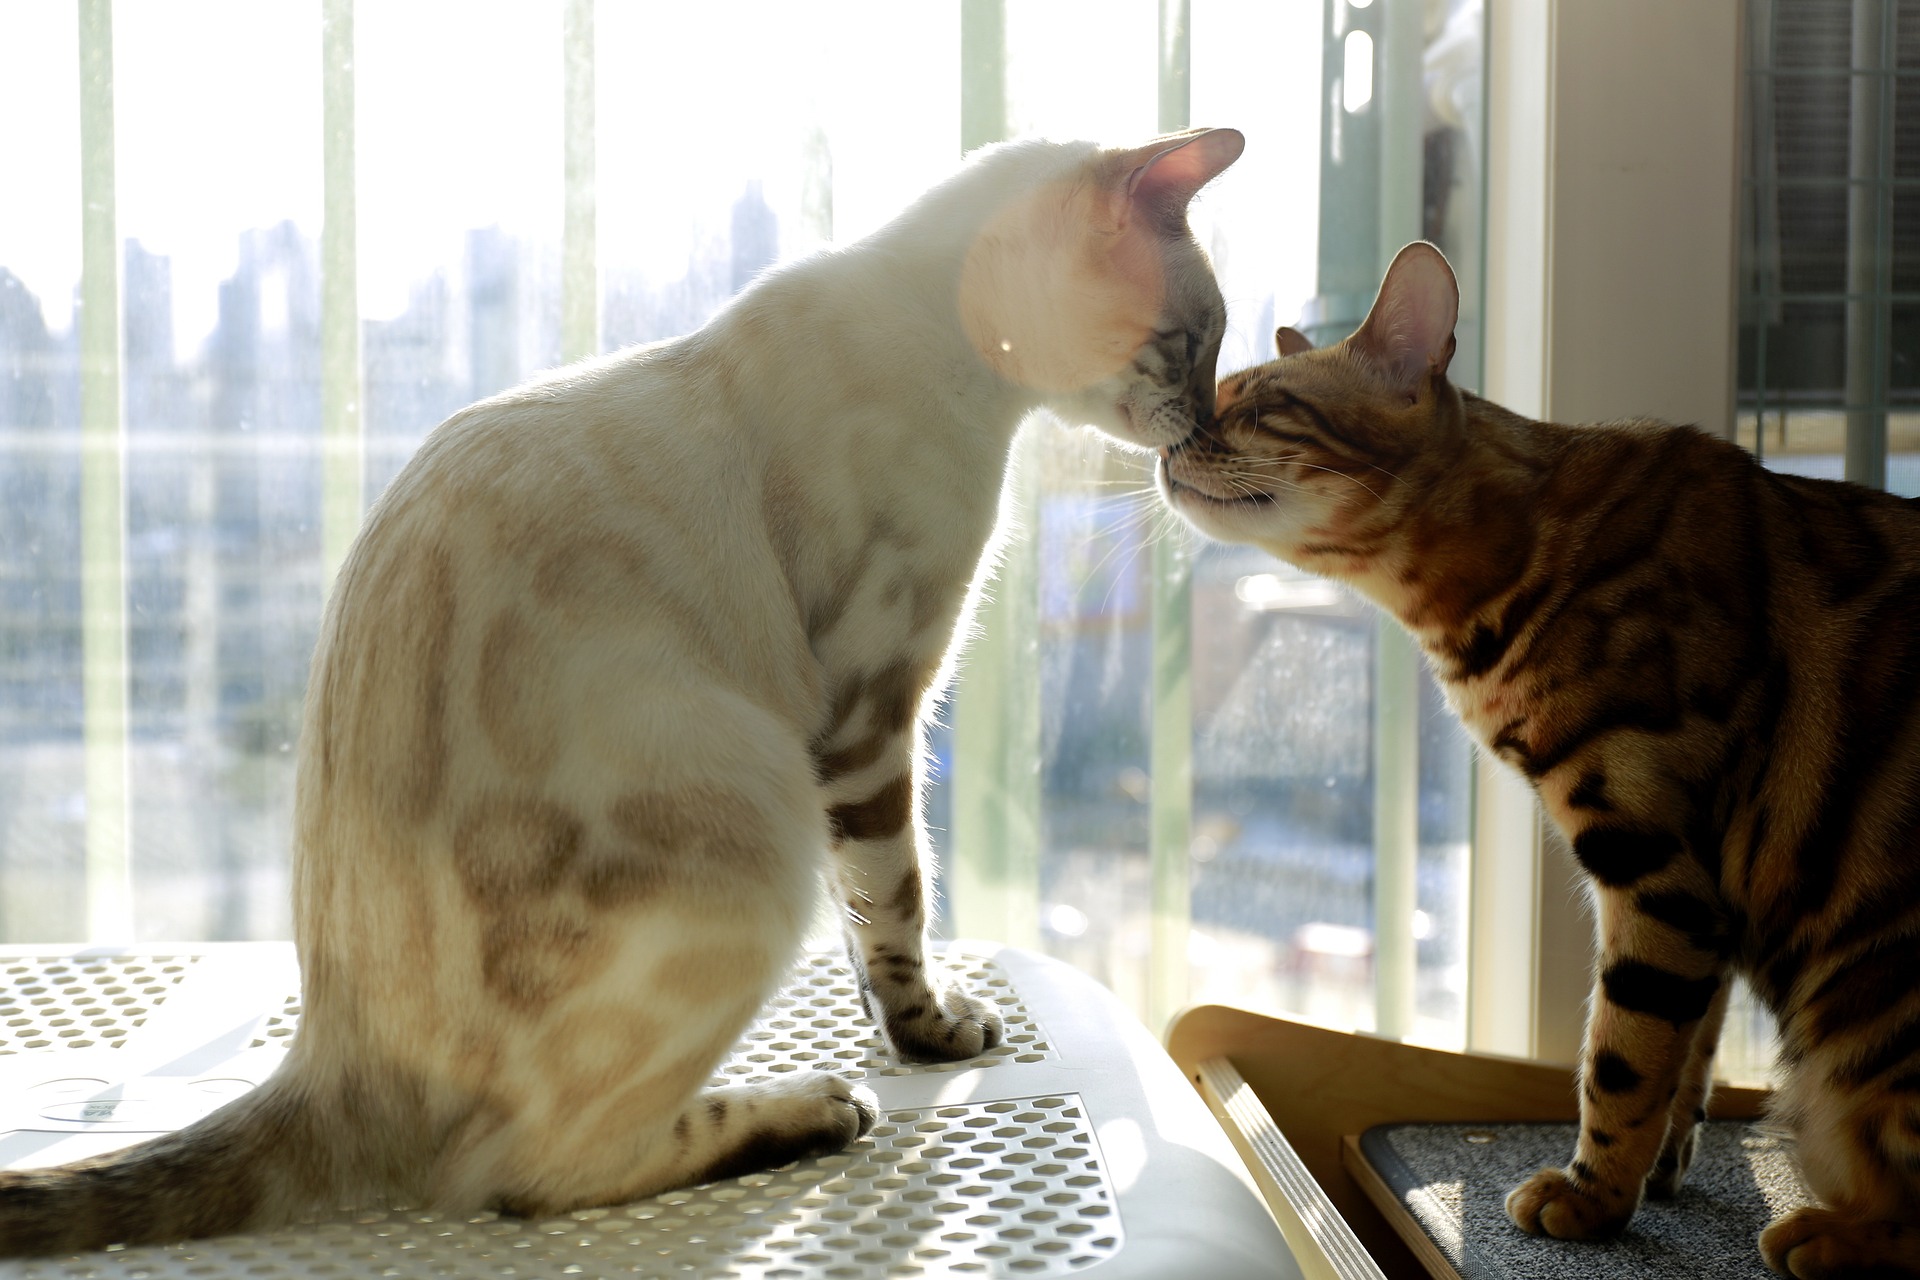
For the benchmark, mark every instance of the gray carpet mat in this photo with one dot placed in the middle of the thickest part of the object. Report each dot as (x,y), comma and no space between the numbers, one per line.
(1454,1179)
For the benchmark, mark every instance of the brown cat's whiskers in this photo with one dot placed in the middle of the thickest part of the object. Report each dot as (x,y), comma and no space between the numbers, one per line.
(1294,461)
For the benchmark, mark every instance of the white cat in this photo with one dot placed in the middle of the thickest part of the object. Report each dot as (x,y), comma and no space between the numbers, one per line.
(619,656)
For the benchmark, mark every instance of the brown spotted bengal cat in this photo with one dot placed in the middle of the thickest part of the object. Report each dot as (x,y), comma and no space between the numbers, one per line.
(1709,671)
(622,662)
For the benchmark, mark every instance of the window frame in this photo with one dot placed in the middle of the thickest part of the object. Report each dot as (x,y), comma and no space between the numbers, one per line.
(1618,243)
(1578,289)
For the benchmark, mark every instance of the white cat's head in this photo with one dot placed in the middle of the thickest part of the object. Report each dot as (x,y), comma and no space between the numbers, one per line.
(1088,289)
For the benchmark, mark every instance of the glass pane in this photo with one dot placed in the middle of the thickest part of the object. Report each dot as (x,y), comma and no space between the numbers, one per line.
(1806,442)
(1274,850)
(1805,360)
(1284,665)
(458,241)
(1906,101)
(1903,275)
(1810,111)
(221,301)
(701,184)
(1283,767)
(761,176)
(1813,218)
(1805,349)
(1096,682)
(1796,339)
(42,789)
(1903,452)
(1812,35)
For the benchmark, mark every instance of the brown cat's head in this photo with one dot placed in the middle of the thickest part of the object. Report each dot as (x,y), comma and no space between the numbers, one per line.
(1328,457)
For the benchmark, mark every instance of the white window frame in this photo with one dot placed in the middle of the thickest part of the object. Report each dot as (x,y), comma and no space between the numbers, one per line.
(1613,177)
(1613,187)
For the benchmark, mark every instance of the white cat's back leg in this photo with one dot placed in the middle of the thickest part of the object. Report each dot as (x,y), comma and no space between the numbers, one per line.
(637,907)
(615,1105)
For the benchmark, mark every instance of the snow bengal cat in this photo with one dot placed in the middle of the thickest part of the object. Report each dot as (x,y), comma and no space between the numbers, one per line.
(1709,672)
(621,661)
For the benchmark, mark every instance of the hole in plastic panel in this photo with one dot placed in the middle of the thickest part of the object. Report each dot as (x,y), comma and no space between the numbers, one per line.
(280,1025)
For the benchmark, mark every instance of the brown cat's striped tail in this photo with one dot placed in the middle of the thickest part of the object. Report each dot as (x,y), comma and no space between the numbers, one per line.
(254,1160)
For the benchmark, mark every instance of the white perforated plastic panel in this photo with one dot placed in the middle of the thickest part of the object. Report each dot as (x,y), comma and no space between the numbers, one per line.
(280,1025)
(1025,1161)
(928,1193)
(817,1021)
(58,1002)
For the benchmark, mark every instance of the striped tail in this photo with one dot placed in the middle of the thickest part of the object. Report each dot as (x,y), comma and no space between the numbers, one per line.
(253,1162)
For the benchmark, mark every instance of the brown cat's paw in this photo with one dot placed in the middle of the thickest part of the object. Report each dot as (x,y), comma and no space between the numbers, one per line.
(943,1026)
(1551,1203)
(1821,1244)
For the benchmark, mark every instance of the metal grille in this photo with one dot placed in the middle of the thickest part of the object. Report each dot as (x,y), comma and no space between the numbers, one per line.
(1830,246)
(64,1002)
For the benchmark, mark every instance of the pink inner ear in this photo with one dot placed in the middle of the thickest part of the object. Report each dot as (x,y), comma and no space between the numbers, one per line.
(1170,178)
(1409,332)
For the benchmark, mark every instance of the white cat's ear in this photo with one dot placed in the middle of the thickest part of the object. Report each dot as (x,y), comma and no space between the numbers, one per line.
(1409,333)
(1168,171)
(1290,341)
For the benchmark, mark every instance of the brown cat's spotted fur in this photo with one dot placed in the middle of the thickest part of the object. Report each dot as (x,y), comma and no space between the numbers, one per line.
(1710,673)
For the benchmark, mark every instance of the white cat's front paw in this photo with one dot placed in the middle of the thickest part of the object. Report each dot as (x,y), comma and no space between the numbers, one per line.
(775,1122)
(941,1025)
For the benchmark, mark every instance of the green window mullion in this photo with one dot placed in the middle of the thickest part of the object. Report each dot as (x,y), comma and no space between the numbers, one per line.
(1170,763)
(579,248)
(994,880)
(1396,672)
(103,507)
(342,436)
(1869,240)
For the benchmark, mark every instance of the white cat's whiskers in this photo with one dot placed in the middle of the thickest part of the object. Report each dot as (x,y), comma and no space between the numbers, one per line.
(1134,508)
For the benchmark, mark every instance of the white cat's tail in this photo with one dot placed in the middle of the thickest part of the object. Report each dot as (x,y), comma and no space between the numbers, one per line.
(263,1159)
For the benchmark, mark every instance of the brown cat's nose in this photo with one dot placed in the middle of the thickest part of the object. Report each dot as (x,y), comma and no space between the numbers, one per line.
(1224,395)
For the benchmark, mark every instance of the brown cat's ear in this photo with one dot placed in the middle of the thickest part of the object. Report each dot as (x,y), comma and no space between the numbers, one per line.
(1290,341)
(1168,171)
(1409,333)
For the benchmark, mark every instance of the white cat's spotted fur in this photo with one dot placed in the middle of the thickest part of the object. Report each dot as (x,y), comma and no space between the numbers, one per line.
(618,658)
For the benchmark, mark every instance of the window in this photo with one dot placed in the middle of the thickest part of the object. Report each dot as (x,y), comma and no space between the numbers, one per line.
(1830,246)
(308,236)
(1829,360)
